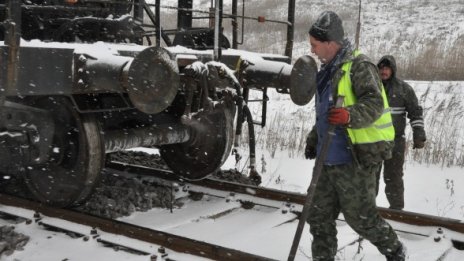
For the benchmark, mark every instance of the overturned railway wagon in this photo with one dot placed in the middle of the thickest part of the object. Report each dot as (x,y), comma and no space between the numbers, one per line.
(80,79)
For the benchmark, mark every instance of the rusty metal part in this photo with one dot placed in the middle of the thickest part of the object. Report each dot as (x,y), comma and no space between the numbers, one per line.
(148,74)
(12,40)
(76,158)
(421,219)
(209,146)
(303,80)
(98,73)
(174,242)
(118,140)
(34,130)
(153,80)
(407,217)
(299,80)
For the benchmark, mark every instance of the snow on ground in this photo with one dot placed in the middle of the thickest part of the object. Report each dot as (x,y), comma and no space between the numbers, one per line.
(433,190)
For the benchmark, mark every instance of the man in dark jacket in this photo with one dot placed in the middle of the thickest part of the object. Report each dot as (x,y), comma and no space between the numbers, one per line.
(403,103)
(362,139)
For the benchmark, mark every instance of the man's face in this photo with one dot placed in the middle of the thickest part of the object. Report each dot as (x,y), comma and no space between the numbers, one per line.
(322,50)
(385,73)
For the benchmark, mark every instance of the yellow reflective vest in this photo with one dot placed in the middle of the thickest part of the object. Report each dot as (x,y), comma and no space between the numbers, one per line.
(382,129)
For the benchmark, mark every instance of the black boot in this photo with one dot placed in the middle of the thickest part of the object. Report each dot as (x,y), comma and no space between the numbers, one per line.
(398,255)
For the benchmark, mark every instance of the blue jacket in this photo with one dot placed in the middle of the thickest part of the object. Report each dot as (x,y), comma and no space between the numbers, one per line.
(339,150)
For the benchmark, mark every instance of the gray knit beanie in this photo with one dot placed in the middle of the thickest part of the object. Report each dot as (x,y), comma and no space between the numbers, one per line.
(328,27)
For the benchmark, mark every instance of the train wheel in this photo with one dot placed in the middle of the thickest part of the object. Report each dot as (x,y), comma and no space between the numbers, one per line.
(76,157)
(210,146)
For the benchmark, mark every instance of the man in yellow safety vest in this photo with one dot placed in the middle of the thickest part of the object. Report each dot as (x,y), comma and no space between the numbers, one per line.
(363,138)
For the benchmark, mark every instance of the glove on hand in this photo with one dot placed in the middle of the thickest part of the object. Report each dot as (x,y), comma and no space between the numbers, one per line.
(418,144)
(339,116)
(310,152)
(418,137)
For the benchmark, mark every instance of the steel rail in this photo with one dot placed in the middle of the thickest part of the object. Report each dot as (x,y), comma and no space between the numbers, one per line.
(407,217)
(170,241)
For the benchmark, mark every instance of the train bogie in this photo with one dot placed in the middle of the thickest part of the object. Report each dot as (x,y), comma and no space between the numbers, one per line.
(75,93)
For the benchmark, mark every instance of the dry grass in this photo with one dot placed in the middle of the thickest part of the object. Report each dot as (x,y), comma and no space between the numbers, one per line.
(444,126)
(421,35)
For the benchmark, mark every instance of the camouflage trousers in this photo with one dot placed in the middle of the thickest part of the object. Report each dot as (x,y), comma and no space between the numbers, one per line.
(349,189)
(393,175)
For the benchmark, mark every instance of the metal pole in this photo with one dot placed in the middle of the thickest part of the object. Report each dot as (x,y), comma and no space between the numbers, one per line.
(290,29)
(184,14)
(158,22)
(12,40)
(234,24)
(154,20)
(216,30)
(138,10)
(312,186)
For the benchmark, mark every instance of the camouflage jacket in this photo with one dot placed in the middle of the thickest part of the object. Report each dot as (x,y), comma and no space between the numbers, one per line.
(366,85)
(403,103)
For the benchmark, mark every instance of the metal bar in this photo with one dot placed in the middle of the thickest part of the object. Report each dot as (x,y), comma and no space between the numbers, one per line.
(243,22)
(138,10)
(264,108)
(59,8)
(118,140)
(290,28)
(225,15)
(312,187)
(158,23)
(234,24)
(421,219)
(184,14)
(216,30)
(12,40)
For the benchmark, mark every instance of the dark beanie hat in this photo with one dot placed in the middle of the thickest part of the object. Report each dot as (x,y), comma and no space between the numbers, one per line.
(328,27)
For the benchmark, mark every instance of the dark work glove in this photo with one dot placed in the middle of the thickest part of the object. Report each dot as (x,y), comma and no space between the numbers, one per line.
(418,144)
(339,116)
(310,152)
(418,137)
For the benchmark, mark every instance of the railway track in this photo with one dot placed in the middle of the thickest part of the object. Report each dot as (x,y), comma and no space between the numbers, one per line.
(244,196)
(167,240)
(422,225)
(407,217)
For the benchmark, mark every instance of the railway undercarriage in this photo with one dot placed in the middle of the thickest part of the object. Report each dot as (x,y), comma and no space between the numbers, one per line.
(68,98)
